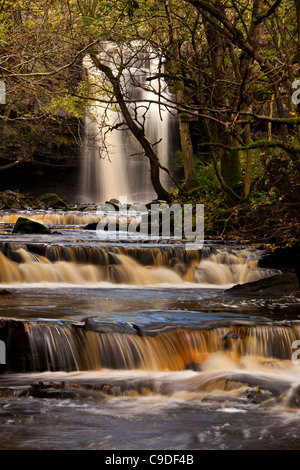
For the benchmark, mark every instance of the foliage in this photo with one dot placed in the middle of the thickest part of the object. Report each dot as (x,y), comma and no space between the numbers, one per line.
(229,66)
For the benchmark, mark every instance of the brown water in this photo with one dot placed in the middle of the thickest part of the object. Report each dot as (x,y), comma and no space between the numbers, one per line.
(141,347)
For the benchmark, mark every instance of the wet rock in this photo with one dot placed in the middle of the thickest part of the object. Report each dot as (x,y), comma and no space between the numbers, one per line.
(293,397)
(54,390)
(24,225)
(256,395)
(13,334)
(4,292)
(91,226)
(277,285)
(138,329)
(71,390)
(285,259)
(194,366)
(114,390)
(229,340)
(231,335)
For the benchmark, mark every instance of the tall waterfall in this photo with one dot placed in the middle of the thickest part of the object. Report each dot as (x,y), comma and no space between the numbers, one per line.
(113,162)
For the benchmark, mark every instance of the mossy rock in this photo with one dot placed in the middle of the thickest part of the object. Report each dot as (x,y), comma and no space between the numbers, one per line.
(24,225)
(15,200)
(50,200)
(114,202)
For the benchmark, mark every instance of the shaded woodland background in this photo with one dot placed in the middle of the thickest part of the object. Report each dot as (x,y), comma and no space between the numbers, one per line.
(231,69)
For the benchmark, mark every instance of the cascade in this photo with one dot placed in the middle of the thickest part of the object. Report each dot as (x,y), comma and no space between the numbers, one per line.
(113,164)
(110,326)
(94,345)
(81,264)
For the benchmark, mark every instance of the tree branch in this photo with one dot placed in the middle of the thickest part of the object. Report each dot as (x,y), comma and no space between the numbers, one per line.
(238,39)
(271,10)
(12,164)
(293,150)
(54,72)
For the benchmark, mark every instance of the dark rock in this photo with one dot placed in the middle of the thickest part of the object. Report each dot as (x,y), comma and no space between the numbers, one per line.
(53,390)
(286,258)
(13,334)
(294,397)
(194,366)
(138,329)
(24,225)
(91,226)
(278,285)
(4,292)
(231,335)
(257,396)
(69,390)
(109,389)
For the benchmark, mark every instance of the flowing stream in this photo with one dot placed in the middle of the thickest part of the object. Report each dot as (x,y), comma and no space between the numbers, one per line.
(111,344)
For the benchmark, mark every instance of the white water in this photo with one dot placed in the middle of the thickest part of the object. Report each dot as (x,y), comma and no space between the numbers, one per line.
(113,163)
(217,270)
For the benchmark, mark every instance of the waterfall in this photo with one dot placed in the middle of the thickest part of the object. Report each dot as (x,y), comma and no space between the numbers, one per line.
(93,345)
(124,265)
(113,163)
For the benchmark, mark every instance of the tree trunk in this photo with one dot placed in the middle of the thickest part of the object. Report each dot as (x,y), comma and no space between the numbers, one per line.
(180,96)
(248,172)
(229,160)
(238,39)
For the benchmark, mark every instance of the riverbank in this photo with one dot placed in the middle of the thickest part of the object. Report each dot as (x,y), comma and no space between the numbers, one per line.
(267,226)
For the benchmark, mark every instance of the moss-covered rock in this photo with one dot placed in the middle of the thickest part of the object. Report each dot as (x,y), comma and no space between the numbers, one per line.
(24,225)
(15,200)
(50,200)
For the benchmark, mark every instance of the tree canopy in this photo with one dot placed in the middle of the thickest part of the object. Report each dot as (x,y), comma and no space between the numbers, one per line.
(230,66)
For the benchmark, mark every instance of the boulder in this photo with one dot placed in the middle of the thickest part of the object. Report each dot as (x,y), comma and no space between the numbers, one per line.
(51,200)
(15,200)
(286,258)
(275,286)
(24,225)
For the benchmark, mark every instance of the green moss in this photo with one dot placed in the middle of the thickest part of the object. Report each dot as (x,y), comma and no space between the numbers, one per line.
(24,225)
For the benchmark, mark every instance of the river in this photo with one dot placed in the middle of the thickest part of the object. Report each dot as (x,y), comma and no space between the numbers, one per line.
(111,345)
